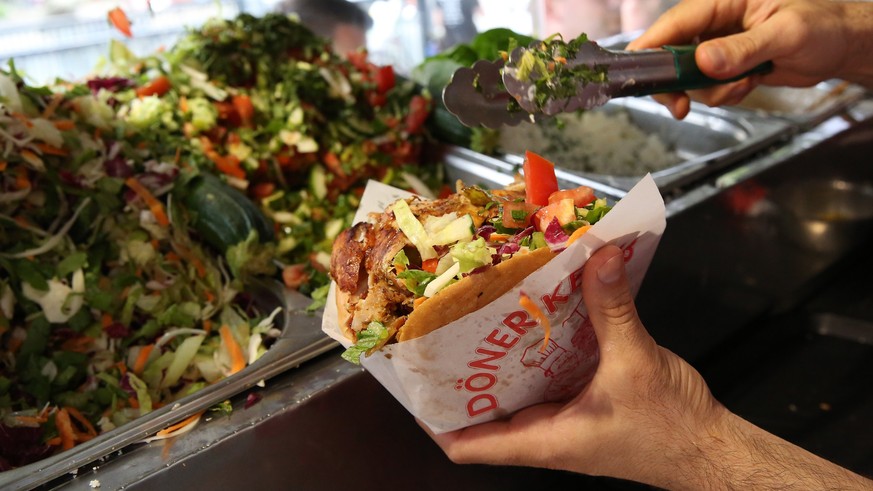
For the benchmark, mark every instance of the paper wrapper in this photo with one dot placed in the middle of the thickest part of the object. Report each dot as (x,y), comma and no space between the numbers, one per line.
(492,362)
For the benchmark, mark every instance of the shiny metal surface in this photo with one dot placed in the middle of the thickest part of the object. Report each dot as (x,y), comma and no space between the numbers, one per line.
(707,141)
(803,107)
(301,340)
(824,215)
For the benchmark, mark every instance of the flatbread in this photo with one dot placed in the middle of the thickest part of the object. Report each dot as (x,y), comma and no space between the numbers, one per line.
(471,293)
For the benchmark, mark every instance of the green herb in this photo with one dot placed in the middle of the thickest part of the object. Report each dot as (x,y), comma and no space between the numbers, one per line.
(373,336)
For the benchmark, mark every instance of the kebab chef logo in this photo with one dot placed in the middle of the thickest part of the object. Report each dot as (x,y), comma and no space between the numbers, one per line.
(568,369)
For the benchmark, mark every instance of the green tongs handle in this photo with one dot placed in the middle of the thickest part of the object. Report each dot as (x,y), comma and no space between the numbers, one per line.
(689,76)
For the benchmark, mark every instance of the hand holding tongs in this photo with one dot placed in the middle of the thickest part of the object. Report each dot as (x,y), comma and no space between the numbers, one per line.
(481,95)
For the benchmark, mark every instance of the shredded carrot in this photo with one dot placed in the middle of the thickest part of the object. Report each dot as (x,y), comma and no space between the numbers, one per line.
(535,312)
(154,205)
(23,118)
(159,86)
(172,257)
(207,325)
(418,301)
(78,416)
(106,320)
(120,21)
(64,124)
(3,165)
(133,402)
(54,442)
(65,429)
(210,297)
(499,237)
(579,232)
(141,358)
(77,345)
(121,368)
(238,361)
(22,179)
(183,104)
(181,424)
(30,157)
(14,344)
(49,110)
(83,437)
(191,258)
(430,265)
(51,149)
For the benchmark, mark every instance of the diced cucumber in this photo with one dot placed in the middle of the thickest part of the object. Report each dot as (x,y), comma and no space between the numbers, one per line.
(413,229)
(318,182)
(442,280)
(333,227)
(457,230)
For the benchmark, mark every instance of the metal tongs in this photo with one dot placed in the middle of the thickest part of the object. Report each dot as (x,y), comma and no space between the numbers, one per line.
(481,95)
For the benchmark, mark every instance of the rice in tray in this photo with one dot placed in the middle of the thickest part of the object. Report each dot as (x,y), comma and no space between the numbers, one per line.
(592,142)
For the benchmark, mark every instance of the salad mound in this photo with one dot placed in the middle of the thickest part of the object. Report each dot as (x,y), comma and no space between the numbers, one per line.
(135,205)
(109,305)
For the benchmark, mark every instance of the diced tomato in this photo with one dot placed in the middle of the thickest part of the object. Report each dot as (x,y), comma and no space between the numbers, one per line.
(581,196)
(430,265)
(120,21)
(244,108)
(518,214)
(358,59)
(539,179)
(227,113)
(159,86)
(564,211)
(419,109)
(384,78)
(445,191)
(376,99)
(263,189)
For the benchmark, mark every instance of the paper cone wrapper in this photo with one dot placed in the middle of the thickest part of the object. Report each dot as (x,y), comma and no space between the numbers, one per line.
(493,362)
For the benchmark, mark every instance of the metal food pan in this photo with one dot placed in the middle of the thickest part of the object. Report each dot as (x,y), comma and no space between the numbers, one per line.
(707,140)
(804,107)
(301,340)
(489,172)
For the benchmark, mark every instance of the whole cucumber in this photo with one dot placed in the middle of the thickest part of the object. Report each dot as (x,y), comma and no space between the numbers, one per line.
(222,215)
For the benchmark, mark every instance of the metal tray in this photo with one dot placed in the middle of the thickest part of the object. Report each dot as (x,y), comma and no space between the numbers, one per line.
(706,141)
(492,172)
(804,107)
(301,340)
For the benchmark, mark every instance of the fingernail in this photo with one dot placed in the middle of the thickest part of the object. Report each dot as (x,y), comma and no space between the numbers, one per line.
(717,57)
(611,271)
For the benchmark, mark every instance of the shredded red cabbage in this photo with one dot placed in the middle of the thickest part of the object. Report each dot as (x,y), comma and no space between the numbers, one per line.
(112,84)
(555,235)
(252,399)
(485,231)
(21,445)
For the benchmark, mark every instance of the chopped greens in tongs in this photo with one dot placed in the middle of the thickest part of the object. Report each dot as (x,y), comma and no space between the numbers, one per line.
(553,76)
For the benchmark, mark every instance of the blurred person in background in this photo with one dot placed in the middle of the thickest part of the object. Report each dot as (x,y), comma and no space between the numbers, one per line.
(456,19)
(599,18)
(343,22)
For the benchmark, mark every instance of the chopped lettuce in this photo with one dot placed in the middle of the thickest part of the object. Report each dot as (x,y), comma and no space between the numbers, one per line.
(373,336)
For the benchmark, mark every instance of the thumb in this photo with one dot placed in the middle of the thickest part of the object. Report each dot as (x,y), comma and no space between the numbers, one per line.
(729,56)
(610,303)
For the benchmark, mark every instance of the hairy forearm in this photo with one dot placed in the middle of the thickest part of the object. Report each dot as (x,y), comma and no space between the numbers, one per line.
(739,455)
(859,67)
